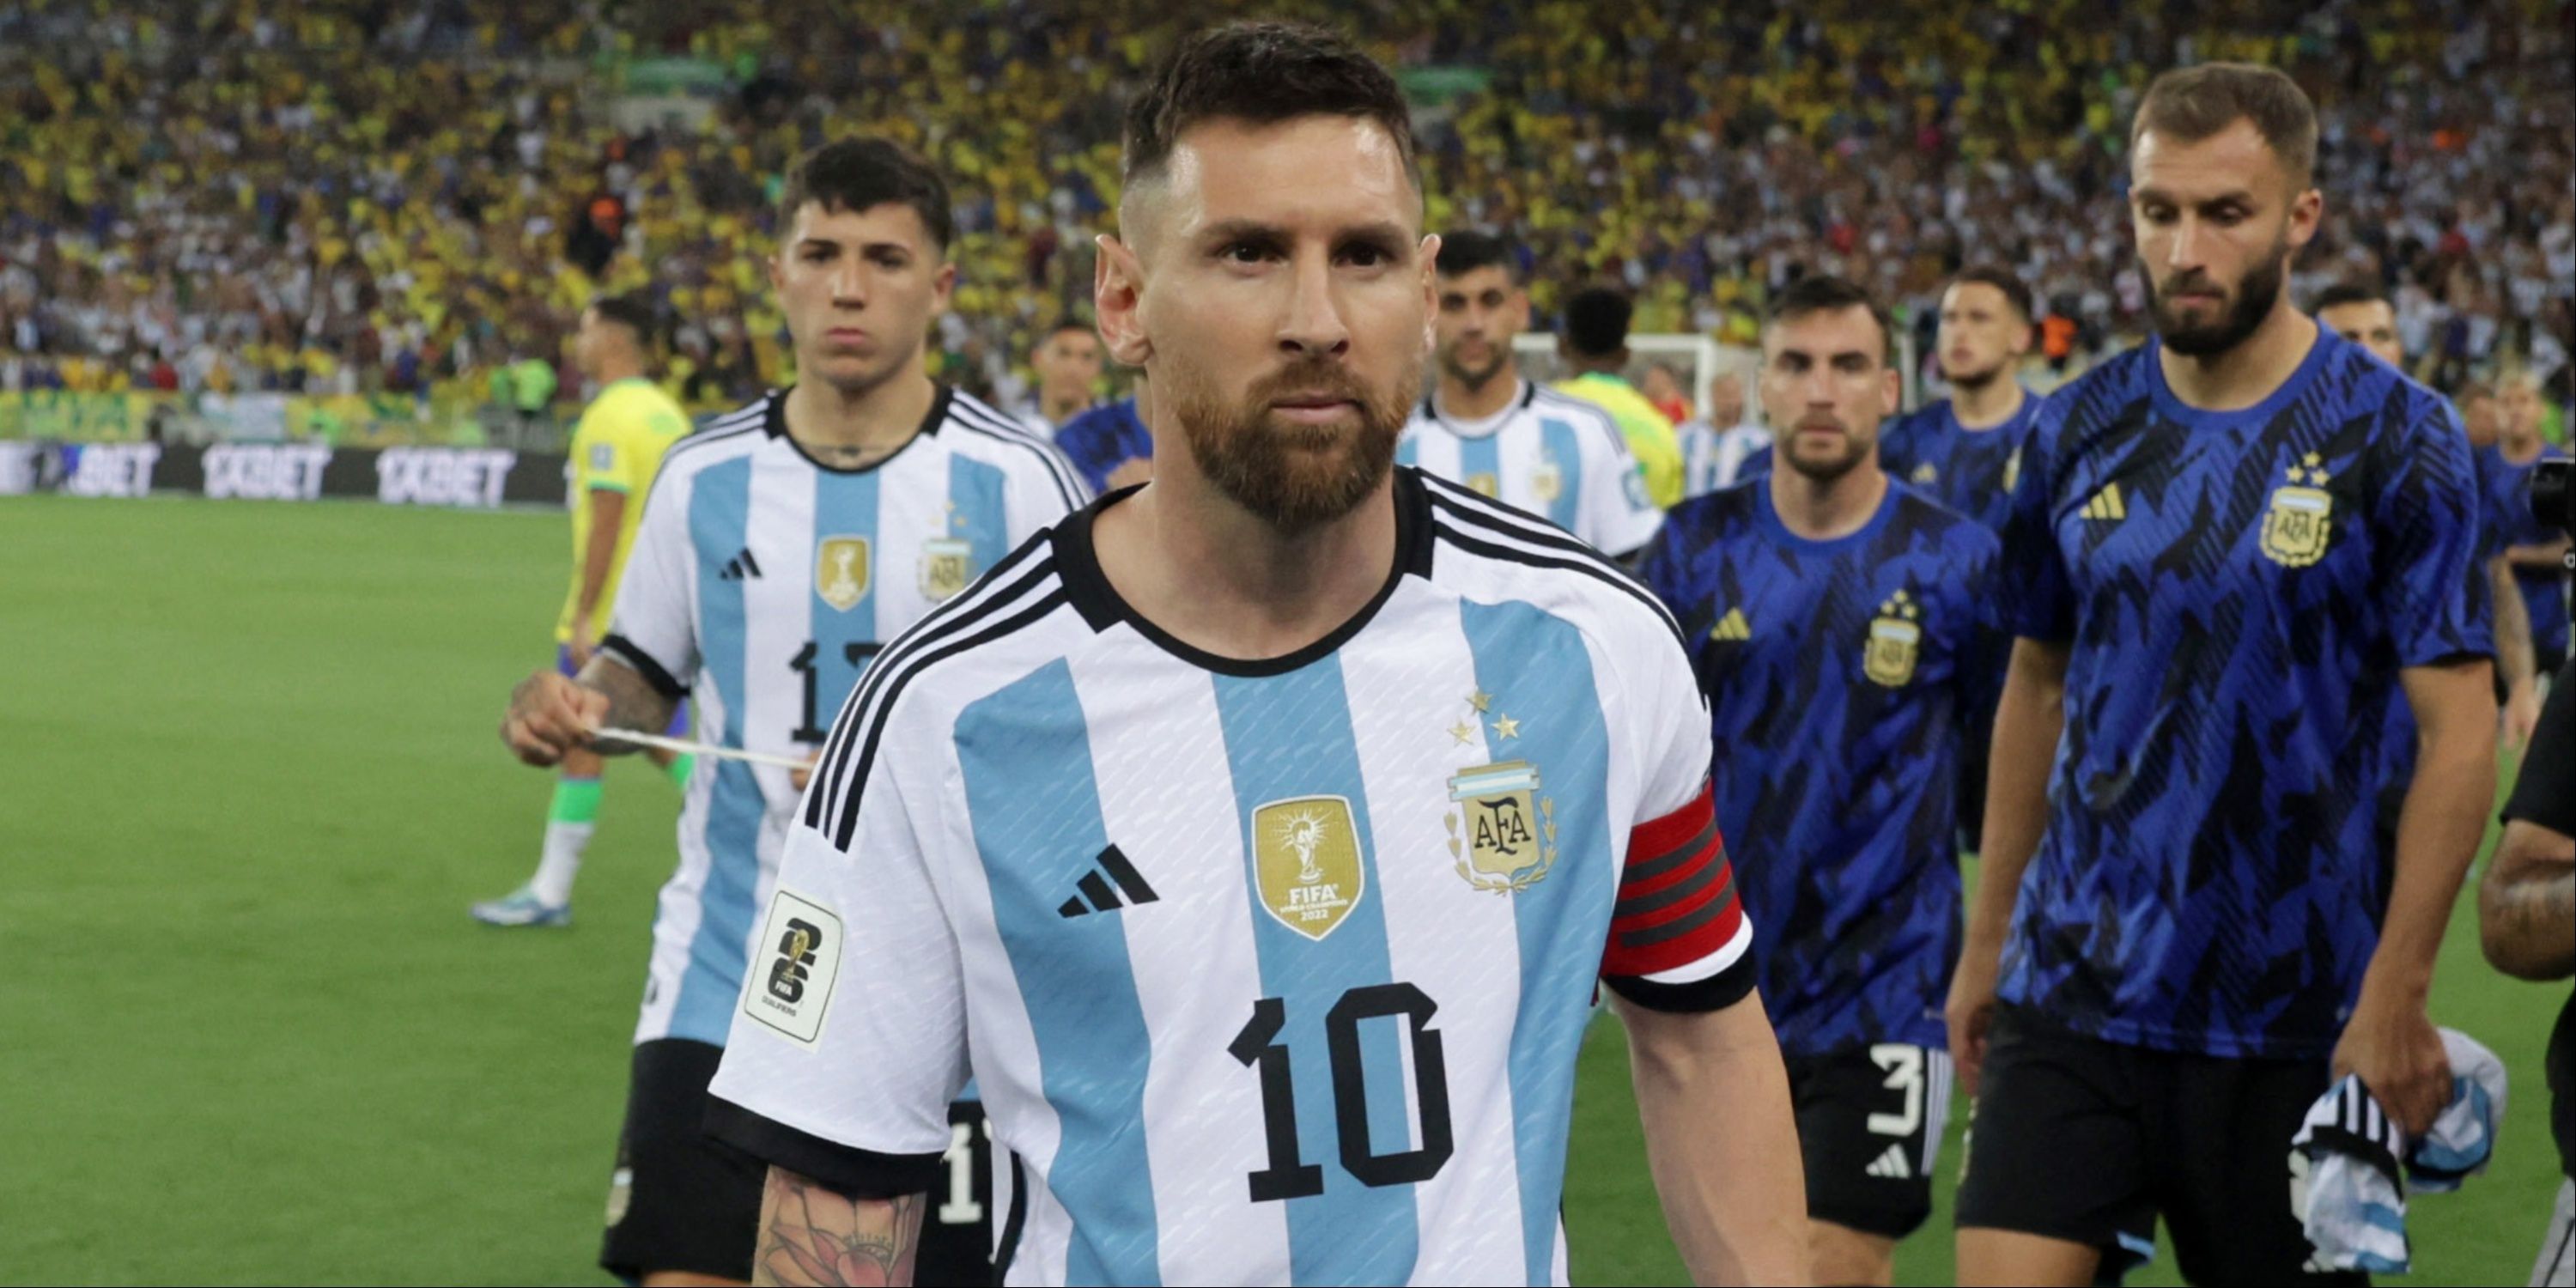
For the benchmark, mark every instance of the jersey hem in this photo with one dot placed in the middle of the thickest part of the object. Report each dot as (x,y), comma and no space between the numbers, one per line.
(2157,1037)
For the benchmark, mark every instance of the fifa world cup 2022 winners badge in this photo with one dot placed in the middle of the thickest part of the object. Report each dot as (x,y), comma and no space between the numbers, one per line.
(1502,833)
(2301,520)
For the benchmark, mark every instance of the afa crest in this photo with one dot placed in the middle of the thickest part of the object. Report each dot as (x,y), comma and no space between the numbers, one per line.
(947,564)
(841,571)
(1895,637)
(1306,860)
(1547,482)
(1502,833)
(1924,475)
(1483,484)
(2300,522)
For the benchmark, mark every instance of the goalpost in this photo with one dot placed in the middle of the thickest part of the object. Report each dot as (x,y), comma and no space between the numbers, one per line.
(1699,361)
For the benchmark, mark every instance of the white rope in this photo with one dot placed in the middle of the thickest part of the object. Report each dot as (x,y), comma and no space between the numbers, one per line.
(642,739)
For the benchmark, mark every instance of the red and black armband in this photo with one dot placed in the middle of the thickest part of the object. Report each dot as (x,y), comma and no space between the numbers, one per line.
(1678,909)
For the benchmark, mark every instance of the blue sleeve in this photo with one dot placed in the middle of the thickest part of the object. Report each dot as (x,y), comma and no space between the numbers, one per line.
(2429,541)
(1102,439)
(1754,466)
(2039,597)
(1987,650)
(1665,567)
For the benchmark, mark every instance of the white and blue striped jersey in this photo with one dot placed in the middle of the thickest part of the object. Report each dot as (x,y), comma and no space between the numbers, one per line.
(1548,452)
(1270,972)
(765,583)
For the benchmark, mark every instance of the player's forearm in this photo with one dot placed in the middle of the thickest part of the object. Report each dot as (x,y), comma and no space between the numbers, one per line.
(608,511)
(632,702)
(2438,831)
(2028,720)
(2514,657)
(2548,556)
(810,1234)
(2527,904)
(1720,1141)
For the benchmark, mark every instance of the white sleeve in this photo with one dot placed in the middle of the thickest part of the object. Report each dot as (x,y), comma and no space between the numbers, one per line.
(654,626)
(851,1037)
(1617,516)
(1042,490)
(1671,718)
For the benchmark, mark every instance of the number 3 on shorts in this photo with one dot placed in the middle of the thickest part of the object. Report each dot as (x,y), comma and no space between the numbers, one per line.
(1903,1062)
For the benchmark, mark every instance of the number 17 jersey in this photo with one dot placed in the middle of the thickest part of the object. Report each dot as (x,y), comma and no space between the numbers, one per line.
(763,583)
(1269,972)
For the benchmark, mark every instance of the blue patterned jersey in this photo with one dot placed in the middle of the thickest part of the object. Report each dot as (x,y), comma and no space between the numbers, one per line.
(1839,675)
(2544,590)
(1971,471)
(1100,440)
(2238,590)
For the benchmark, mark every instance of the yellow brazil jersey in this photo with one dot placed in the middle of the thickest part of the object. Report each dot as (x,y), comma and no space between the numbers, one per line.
(1650,437)
(616,448)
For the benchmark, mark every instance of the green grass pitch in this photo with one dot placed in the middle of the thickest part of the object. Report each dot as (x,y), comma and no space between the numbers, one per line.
(248,1034)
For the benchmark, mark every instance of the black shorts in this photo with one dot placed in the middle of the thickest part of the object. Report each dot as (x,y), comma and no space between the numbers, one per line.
(683,1200)
(2085,1140)
(680,1199)
(1869,1127)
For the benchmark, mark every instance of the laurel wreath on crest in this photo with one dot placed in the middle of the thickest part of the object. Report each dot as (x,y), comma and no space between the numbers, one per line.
(1508,885)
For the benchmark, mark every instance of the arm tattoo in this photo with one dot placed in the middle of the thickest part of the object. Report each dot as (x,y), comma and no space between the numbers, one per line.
(632,703)
(811,1235)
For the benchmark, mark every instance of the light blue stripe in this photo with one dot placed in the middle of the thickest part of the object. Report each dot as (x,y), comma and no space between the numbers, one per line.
(1537,669)
(1025,756)
(978,514)
(1567,452)
(1480,456)
(1290,736)
(1408,450)
(845,505)
(719,519)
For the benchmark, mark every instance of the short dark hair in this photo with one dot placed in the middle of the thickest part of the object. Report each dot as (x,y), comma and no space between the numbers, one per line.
(1060,328)
(861,174)
(1596,321)
(2343,293)
(2194,103)
(1825,293)
(629,312)
(2016,293)
(1467,250)
(1263,73)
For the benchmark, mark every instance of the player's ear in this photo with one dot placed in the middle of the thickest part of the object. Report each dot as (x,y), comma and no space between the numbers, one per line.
(2307,210)
(943,284)
(1520,309)
(1117,300)
(776,264)
(1429,255)
(1891,392)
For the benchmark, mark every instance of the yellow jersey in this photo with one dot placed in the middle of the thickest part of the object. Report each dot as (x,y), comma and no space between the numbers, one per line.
(617,447)
(1650,436)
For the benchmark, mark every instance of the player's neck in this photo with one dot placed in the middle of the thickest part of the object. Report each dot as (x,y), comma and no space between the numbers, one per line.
(2246,374)
(1215,577)
(1059,408)
(613,370)
(1987,405)
(1827,509)
(868,424)
(1459,400)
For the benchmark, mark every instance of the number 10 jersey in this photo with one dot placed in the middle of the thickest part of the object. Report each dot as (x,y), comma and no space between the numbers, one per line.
(764,583)
(1269,972)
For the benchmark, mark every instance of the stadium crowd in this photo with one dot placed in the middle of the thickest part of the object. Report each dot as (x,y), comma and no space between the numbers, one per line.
(343,196)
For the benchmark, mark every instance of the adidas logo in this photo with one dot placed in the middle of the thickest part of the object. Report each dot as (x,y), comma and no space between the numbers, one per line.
(2106,505)
(1732,626)
(739,567)
(1104,899)
(1892,1165)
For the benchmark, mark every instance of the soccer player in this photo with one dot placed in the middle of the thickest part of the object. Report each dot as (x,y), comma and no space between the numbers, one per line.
(2537,554)
(1965,450)
(1484,426)
(1844,632)
(2239,557)
(1258,838)
(780,548)
(1715,450)
(616,448)
(1067,363)
(1594,345)
(2363,315)
(1109,445)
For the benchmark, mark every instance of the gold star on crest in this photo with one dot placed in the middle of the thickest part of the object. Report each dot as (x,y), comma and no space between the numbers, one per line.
(1506,727)
(1480,700)
(2312,460)
(1462,731)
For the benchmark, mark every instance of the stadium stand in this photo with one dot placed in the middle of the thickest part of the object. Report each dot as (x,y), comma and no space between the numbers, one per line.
(344,197)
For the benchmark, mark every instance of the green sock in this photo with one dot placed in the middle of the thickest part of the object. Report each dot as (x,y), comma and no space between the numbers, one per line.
(576,801)
(679,771)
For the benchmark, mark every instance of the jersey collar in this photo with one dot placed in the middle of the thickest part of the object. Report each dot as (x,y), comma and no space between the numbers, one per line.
(1486,428)
(1091,595)
(773,421)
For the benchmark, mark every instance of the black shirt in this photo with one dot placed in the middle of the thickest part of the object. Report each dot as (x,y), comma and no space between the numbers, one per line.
(2545,796)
